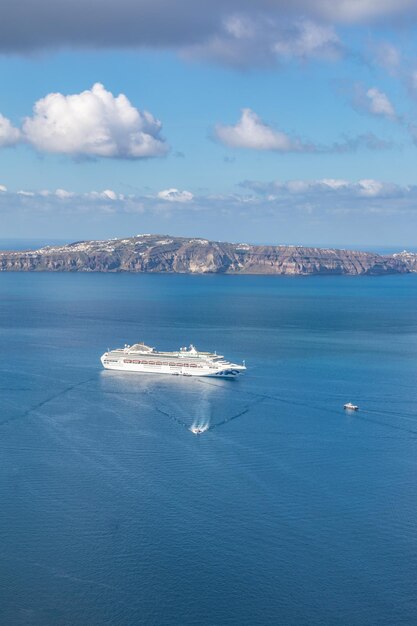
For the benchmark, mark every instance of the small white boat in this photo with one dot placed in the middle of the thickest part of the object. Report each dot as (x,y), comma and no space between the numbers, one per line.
(197,430)
(350,407)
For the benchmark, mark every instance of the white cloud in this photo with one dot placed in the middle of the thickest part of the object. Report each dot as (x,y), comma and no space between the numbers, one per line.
(64,194)
(93,123)
(334,183)
(296,186)
(251,132)
(372,101)
(370,188)
(318,197)
(110,194)
(106,194)
(175,195)
(303,186)
(9,136)
(3,188)
(403,68)
(330,187)
(379,103)
(309,40)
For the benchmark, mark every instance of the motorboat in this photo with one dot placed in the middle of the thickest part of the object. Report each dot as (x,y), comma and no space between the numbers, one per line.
(197,430)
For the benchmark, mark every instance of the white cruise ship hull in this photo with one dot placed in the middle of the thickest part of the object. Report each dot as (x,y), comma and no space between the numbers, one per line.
(124,360)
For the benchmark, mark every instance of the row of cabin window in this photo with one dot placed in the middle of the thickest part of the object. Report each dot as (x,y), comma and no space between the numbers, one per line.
(160,363)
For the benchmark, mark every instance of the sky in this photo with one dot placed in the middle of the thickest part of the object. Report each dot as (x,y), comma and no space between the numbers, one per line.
(272,121)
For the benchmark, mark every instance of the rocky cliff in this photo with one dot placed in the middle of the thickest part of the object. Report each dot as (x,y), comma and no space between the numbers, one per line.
(161,253)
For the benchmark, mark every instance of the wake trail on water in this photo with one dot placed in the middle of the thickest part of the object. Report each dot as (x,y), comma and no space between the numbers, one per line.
(171,416)
(204,426)
(409,417)
(265,396)
(362,416)
(359,415)
(39,405)
(200,425)
(203,423)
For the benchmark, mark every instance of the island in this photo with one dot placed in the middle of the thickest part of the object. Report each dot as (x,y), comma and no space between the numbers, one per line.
(185,255)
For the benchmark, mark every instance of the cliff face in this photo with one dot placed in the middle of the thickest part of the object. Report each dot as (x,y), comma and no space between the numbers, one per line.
(156,253)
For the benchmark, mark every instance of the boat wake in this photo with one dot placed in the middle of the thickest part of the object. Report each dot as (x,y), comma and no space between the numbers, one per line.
(200,426)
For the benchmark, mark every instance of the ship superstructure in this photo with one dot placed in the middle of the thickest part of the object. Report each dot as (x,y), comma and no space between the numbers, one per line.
(185,362)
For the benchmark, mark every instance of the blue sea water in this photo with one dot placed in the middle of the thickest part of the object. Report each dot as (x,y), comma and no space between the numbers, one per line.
(288,510)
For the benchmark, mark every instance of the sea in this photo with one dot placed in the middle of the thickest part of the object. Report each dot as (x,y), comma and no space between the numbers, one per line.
(287,510)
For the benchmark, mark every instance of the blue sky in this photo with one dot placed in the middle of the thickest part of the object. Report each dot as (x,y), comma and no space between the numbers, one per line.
(268,124)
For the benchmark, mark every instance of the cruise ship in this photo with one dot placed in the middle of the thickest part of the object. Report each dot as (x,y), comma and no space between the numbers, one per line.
(185,362)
